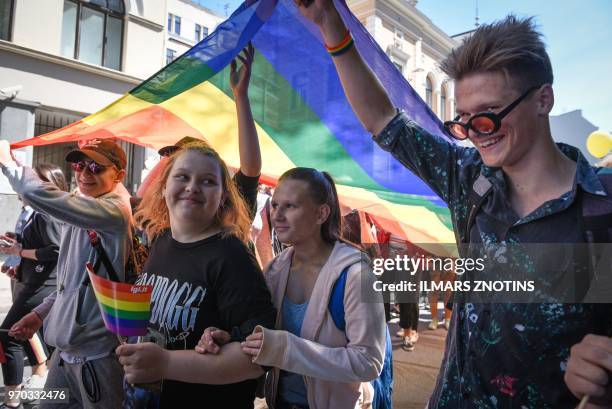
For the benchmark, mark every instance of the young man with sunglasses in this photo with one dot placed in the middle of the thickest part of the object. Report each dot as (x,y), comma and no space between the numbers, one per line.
(497,355)
(84,360)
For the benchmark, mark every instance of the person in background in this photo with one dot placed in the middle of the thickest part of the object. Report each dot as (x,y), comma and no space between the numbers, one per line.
(436,277)
(9,267)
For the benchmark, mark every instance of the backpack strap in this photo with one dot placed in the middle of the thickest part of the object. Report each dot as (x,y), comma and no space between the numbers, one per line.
(336,301)
(96,243)
(481,188)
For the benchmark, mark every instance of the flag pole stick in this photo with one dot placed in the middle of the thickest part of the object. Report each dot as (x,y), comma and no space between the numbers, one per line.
(583,402)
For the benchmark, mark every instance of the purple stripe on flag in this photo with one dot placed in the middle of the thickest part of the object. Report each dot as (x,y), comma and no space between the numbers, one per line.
(125,327)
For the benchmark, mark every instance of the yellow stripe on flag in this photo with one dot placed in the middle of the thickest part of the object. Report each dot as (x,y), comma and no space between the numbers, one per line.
(126,105)
(213,113)
(122,305)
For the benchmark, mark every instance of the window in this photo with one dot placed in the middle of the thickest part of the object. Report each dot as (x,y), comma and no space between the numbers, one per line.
(428,92)
(177,25)
(200,32)
(6,19)
(443,103)
(170,55)
(399,67)
(92,31)
(170,18)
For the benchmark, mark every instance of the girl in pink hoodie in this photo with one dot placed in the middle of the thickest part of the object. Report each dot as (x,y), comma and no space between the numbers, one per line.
(314,364)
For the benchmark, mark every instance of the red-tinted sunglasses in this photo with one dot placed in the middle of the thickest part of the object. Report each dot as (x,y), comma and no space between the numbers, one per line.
(94,167)
(483,123)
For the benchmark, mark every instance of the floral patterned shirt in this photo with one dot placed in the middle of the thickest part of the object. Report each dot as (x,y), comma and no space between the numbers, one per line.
(502,355)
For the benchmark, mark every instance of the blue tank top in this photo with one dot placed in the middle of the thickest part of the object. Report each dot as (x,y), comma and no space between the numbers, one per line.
(291,387)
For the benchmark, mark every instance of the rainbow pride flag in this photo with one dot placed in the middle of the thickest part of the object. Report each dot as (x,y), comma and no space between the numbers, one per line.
(125,307)
(302,115)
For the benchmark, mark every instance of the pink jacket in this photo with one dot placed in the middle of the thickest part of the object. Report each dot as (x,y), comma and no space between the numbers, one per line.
(333,368)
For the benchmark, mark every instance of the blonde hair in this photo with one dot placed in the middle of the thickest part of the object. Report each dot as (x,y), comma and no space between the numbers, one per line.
(512,46)
(152,214)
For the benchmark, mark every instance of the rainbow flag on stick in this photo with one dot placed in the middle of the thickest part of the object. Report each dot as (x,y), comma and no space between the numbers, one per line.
(125,307)
(302,115)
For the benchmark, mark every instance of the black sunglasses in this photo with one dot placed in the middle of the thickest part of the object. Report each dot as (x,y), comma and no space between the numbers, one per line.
(483,123)
(94,167)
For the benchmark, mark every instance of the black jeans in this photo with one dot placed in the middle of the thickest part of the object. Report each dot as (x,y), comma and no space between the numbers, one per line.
(409,315)
(409,312)
(28,298)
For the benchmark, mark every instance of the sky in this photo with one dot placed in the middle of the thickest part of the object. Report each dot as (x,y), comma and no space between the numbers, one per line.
(578,35)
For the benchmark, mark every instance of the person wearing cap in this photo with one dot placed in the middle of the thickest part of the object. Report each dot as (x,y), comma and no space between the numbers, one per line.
(83,361)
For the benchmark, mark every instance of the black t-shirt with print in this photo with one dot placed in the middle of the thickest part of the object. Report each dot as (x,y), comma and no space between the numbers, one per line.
(212,282)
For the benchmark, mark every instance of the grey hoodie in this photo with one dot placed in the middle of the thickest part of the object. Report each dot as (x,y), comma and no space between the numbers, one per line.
(73,322)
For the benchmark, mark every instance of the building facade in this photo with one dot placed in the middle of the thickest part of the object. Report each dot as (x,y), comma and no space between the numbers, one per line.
(187,24)
(415,46)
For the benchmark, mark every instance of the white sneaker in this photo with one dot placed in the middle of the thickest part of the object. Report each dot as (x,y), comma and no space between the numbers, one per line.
(34,382)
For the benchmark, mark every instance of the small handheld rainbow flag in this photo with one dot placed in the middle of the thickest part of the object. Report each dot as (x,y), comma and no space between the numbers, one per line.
(125,307)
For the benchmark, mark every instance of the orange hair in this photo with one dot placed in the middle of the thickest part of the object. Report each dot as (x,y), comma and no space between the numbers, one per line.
(152,214)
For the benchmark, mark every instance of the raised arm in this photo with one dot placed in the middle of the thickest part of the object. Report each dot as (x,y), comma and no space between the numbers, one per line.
(366,95)
(45,197)
(248,142)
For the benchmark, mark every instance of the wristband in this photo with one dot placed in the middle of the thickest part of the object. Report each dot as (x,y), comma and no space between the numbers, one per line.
(342,47)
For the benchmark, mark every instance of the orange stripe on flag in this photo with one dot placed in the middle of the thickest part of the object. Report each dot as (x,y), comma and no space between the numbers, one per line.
(116,294)
(154,127)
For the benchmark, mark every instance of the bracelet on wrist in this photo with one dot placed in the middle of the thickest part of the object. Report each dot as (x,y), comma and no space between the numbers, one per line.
(342,47)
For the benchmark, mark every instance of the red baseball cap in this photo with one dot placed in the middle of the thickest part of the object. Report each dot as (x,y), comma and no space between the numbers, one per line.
(103,151)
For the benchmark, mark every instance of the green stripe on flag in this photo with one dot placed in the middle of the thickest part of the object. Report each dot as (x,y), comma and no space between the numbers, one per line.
(130,315)
(304,138)
(180,76)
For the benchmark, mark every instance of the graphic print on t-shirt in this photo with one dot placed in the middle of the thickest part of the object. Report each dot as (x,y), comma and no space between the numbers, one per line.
(174,306)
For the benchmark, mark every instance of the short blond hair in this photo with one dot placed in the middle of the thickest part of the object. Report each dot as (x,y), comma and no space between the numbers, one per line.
(512,46)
